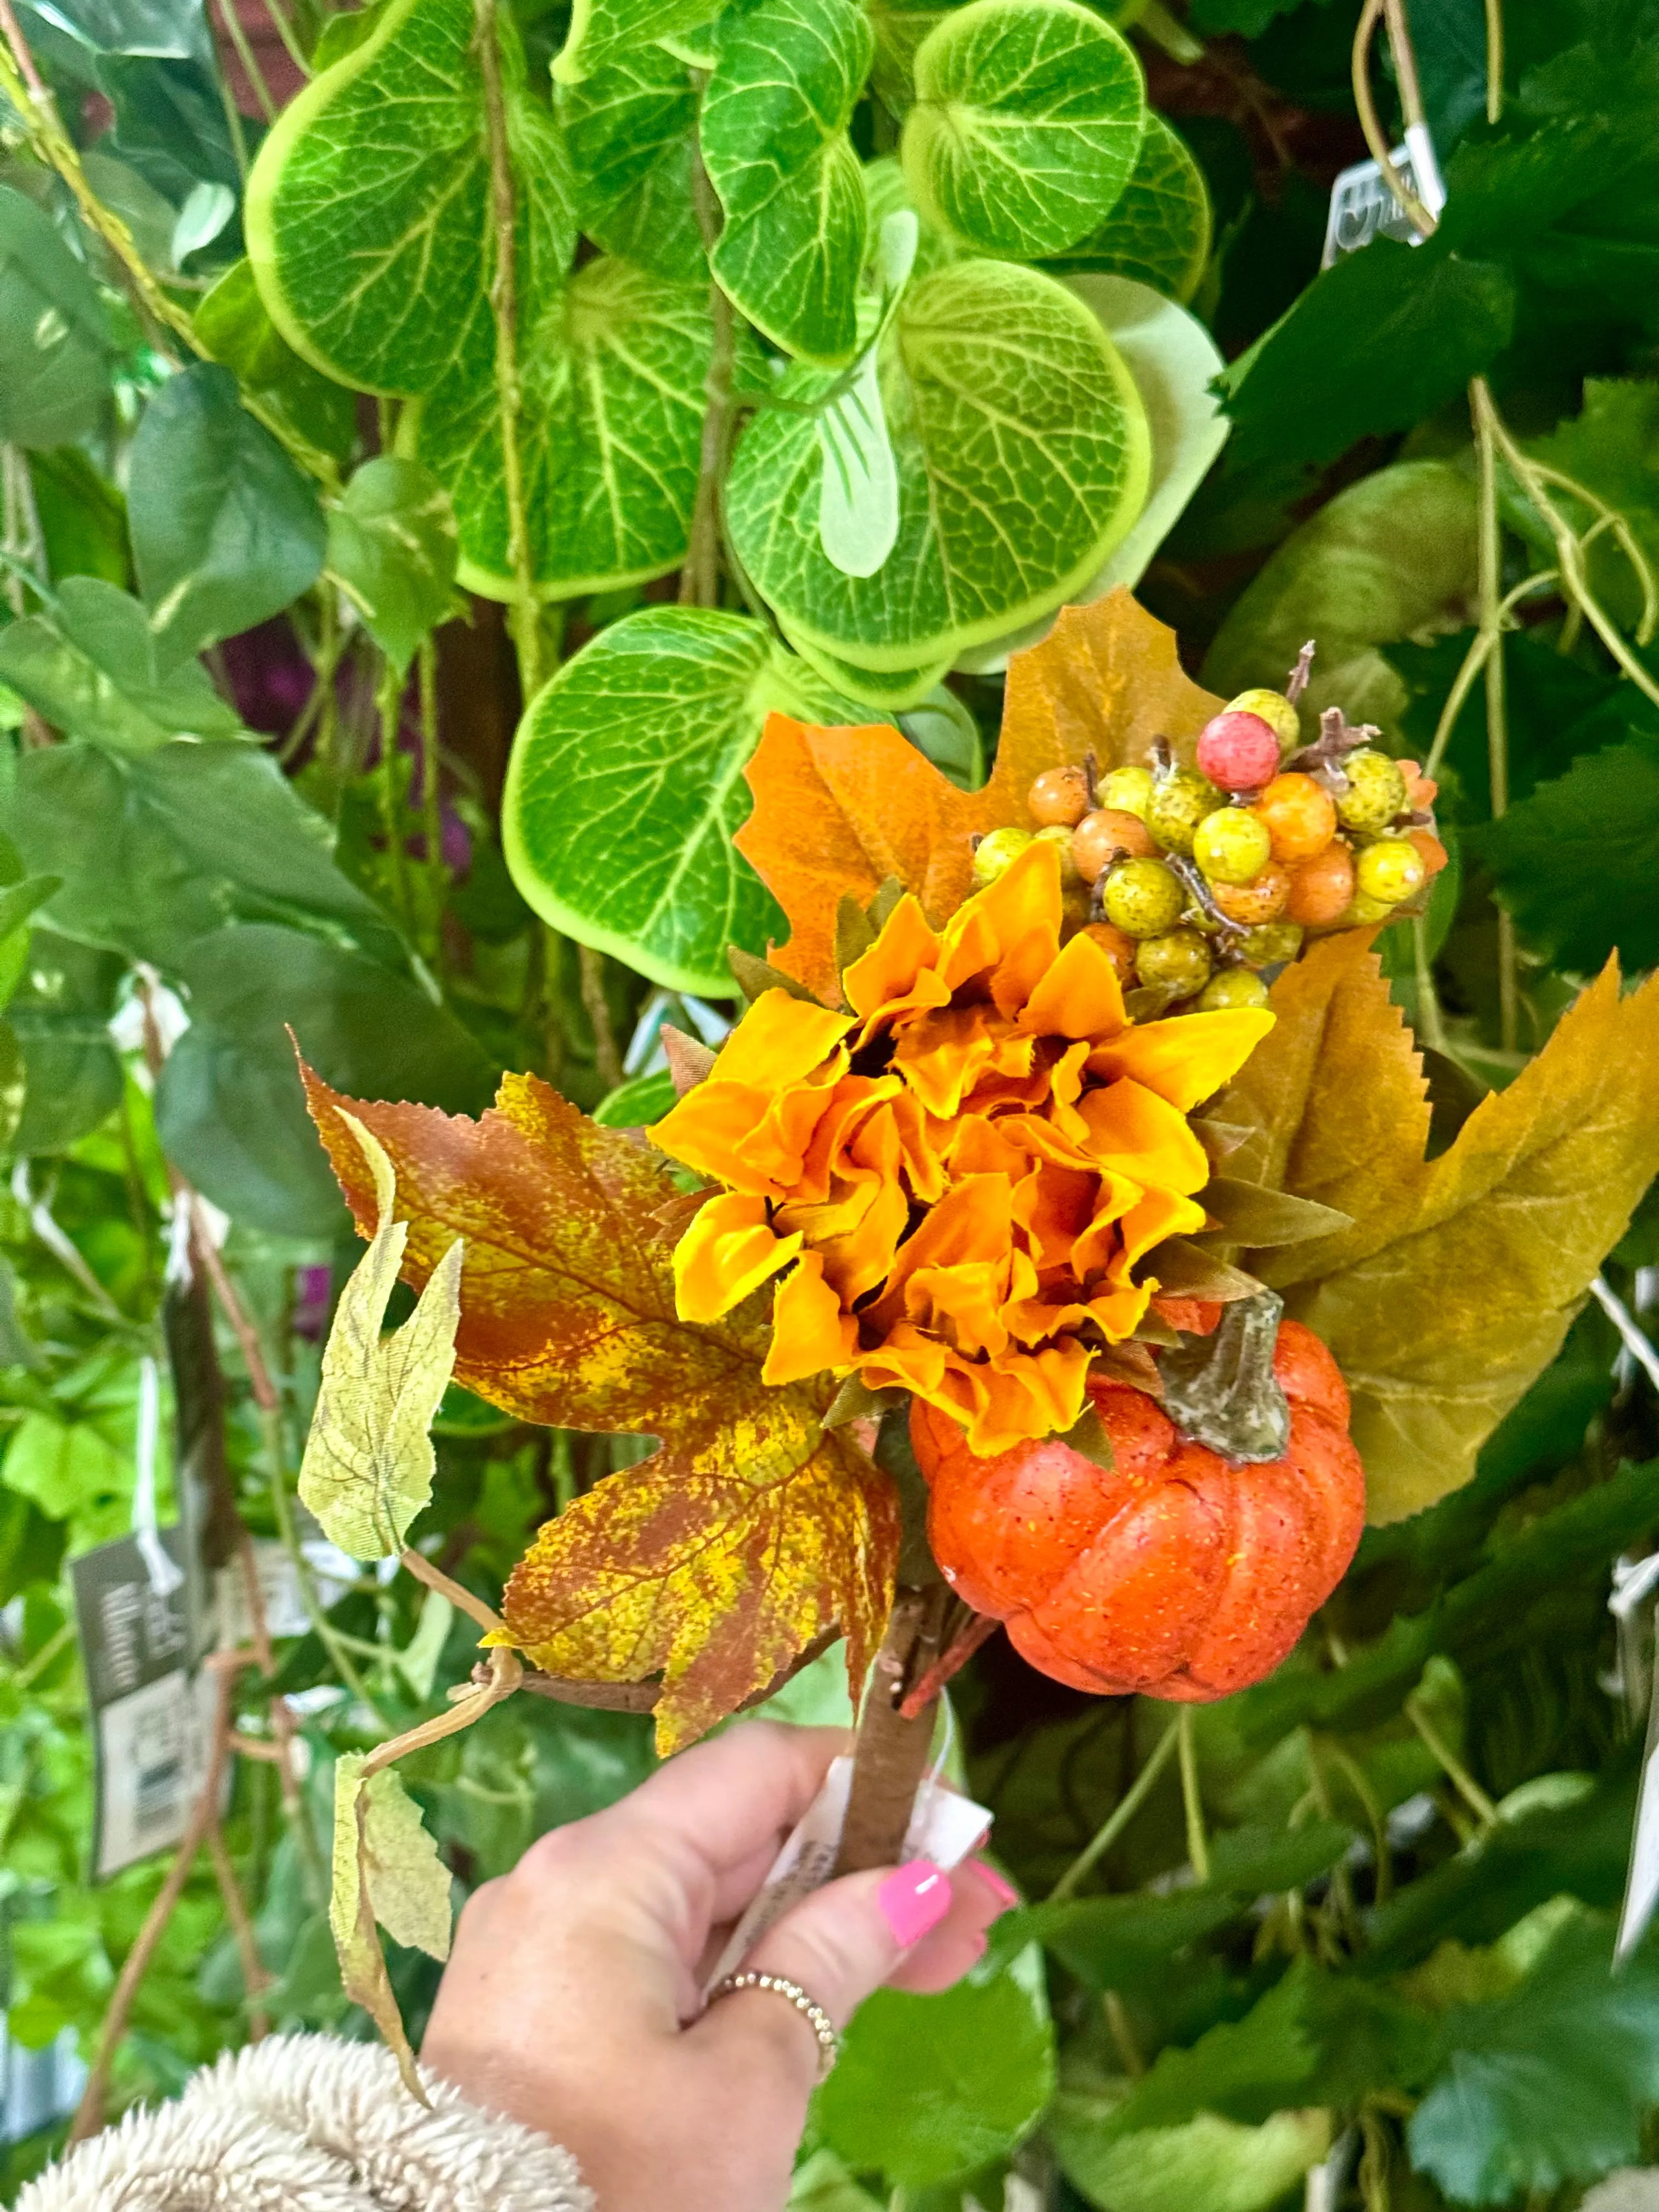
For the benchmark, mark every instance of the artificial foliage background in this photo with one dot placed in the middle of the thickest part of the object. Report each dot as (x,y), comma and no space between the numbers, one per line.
(371,380)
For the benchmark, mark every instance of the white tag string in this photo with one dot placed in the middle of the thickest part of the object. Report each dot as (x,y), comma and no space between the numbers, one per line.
(164,1575)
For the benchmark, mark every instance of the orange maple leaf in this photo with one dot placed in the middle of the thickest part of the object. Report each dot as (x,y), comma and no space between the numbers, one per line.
(752,1531)
(838,811)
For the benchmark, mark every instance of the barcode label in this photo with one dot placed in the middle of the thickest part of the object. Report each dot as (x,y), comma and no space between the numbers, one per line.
(148,1752)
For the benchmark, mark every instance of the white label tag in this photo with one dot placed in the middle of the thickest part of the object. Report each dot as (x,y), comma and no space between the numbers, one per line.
(279,1592)
(1642,1883)
(1362,206)
(945,1826)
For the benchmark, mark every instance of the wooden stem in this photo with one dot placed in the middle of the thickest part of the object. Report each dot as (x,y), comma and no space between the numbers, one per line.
(890,1756)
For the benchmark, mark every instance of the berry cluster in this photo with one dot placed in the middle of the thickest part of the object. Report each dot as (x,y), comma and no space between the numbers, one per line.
(1202,882)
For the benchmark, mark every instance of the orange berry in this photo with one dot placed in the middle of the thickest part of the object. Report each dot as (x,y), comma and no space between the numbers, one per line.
(1299,815)
(1435,855)
(1058,795)
(1262,899)
(1119,948)
(1322,887)
(1106,832)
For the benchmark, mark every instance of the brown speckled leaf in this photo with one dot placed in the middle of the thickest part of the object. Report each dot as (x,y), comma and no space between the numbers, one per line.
(721,1557)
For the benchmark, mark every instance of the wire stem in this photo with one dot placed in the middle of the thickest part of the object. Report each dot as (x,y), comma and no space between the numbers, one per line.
(1370,123)
(1494,61)
(1489,554)
(1198,1843)
(1118,1818)
(245,54)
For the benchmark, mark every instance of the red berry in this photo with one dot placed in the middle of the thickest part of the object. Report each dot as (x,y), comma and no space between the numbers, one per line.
(1237,752)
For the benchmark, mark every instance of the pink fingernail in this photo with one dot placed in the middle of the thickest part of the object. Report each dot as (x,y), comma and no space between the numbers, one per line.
(1004,1892)
(914,1900)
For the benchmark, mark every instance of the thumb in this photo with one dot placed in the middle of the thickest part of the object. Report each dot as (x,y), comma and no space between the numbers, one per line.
(837,1945)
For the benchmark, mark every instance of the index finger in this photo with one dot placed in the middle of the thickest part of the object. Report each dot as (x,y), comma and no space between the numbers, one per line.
(728,1799)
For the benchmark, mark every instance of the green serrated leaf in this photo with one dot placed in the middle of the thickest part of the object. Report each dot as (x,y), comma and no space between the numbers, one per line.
(614,402)
(91,668)
(629,128)
(1158,233)
(54,335)
(1023,457)
(1026,125)
(786,77)
(391,546)
(603,31)
(626,787)
(1221,1390)
(1575,862)
(368,1460)
(225,529)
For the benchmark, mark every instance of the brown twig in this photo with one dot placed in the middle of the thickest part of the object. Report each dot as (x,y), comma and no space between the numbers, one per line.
(699,574)
(460,1597)
(890,1756)
(255,1978)
(606,1057)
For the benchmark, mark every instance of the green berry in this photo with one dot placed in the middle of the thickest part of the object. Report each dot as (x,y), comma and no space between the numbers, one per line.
(1275,710)
(1143,898)
(1273,943)
(1375,792)
(1232,845)
(1390,870)
(1128,789)
(1178,962)
(1178,803)
(998,851)
(1060,836)
(1233,987)
(1363,909)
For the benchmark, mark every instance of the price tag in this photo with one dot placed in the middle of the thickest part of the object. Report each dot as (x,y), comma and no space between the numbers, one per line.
(945,1826)
(150,1711)
(1362,208)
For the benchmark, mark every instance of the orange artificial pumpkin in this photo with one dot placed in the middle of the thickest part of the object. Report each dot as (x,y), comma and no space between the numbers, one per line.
(1176,1575)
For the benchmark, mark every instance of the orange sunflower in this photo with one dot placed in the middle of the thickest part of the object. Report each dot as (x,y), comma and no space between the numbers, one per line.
(956,1179)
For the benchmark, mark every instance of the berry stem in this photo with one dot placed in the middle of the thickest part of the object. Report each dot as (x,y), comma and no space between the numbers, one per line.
(1118,1820)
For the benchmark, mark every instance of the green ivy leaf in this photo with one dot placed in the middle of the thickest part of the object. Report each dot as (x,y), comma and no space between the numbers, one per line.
(1158,233)
(776,110)
(234,326)
(1026,125)
(54,335)
(610,437)
(91,668)
(229,1106)
(900,27)
(630,129)
(977,2065)
(1391,557)
(1548,2085)
(83,516)
(391,547)
(158,848)
(60,1014)
(368,214)
(626,787)
(1576,862)
(1310,386)
(1219,2164)
(386,1867)
(225,529)
(1023,457)
(604,32)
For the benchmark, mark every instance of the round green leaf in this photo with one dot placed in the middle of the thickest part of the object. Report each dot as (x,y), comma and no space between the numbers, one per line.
(609,439)
(1159,231)
(225,529)
(368,218)
(889,691)
(391,546)
(1174,362)
(929,2088)
(54,338)
(1023,457)
(630,130)
(603,31)
(626,787)
(1026,126)
(786,78)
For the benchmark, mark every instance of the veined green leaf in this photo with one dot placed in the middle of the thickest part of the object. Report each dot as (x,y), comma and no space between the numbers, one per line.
(1173,361)
(613,375)
(1159,231)
(900,27)
(892,691)
(1023,457)
(232,324)
(786,78)
(226,531)
(626,787)
(386,1867)
(1026,125)
(54,335)
(90,668)
(391,546)
(629,128)
(368,1460)
(368,216)
(605,31)
(859,505)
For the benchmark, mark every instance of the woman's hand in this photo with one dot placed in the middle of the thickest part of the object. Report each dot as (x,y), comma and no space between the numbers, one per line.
(571,2000)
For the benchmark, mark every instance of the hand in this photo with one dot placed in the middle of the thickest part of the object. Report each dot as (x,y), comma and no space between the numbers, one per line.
(571,2001)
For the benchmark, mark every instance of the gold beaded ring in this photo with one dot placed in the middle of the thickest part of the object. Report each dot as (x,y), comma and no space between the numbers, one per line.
(792,1992)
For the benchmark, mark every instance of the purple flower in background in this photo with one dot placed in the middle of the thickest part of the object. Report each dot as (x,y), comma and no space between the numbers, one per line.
(312,1291)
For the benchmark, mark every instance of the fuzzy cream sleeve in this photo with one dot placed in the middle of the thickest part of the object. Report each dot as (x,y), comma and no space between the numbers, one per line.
(307,2123)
